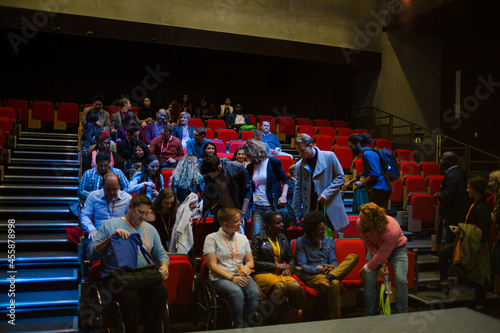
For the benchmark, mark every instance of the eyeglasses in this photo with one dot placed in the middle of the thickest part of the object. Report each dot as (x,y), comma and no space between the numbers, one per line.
(322,229)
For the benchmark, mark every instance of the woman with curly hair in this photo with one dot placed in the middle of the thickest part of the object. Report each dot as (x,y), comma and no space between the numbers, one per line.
(385,241)
(165,208)
(268,176)
(239,156)
(149,180)
(186,178)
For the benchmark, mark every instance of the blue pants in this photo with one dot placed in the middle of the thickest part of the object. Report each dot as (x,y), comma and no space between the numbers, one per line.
(244,301)
(258,218)
(399,262)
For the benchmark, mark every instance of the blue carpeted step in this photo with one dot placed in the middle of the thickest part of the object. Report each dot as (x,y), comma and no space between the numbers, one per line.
(45,225)
(41,258)
(37,189)
(45,275)
(41,161)
(17,179)
(63,324)
(40,300)
(38,199)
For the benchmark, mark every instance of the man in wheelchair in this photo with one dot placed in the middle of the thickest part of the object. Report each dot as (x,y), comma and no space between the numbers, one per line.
(149,302)
(229,259)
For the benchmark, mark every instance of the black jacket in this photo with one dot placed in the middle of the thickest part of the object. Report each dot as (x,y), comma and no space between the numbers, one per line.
(275,176)
(453,197)
(263,253)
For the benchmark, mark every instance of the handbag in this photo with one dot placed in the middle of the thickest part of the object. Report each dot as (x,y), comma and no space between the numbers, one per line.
(128,276)
(360,198)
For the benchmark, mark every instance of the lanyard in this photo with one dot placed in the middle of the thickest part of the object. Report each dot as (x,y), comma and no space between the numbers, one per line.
(110,214)
(164,150)
(145,234)
(265,136)
(467,217)
(276,248)
(230,249)
(185,131)
(156,129)
(167,229)
(133,151)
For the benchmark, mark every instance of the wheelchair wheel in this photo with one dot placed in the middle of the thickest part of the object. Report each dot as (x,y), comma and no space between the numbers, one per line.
(206,307)
(166,320)
(92,312)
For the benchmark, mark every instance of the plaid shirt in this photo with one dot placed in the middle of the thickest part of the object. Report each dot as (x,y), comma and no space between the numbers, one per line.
(92,181)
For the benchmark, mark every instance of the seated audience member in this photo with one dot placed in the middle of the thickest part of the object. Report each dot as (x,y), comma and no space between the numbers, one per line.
(225,109)
(126,148)
(146,113)
(167,148)
(155,128)
(237,119)
(182,232)
(174,112)
(183,131)
(165,208)
(186,178)
(121,133)
(102,146)
(146,303)
(206,110)
(240,157)
(118,118)
(385,241)
(229,259)
(130,167)
(104,204)
(208,150)
(272,140)
(291,182)
(257,136)
(185,105)
(274,264)
(196,145)
(92,179)
(149,180)
(316,257)
(104,119)
(473,239)
(91,130)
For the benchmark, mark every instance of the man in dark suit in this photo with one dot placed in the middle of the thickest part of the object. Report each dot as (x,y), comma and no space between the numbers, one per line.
(453,197)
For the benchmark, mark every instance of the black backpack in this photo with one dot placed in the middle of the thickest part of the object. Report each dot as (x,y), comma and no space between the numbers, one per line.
(389,164)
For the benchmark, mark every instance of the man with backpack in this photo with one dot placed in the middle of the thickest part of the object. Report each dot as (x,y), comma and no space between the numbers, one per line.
(374,173)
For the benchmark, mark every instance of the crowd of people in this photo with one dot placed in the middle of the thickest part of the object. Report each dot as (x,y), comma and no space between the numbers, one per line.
(123,192)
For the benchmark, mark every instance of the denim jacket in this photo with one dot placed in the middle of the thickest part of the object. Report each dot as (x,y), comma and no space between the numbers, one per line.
(309,257)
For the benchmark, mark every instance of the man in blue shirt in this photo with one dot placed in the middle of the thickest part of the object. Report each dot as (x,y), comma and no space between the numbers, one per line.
(196,145)
(272,140)
(316,257)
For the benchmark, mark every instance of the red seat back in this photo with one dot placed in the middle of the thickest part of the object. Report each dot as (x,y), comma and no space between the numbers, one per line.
(68,112)
(341,141)
(21,105)
(286,125)
(246,135)
(434,184)
(423,207)
(344,131)
(409,168)
(8,112)
(195,122)
(179,282)
(253,120)
(216,124)
(322,123)
(327,131)
(6,125)
(324,142)
(135,110)
(304,121)
(219,145)
(430,168)
(233,145)
(361,131)
(397,191)
(414,184)
(340,123)
(43,111)
(358,165)
(227,135)
(383,143)
(210,134)
(293,233)
(344,156)
(286,163)
(309,130)
(113,109)
(166,174)
(405,155)
(344,247)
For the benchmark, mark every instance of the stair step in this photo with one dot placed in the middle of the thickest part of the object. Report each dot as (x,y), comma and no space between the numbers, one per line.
(37,199)
(44,210)
(39,300)
(43,140)
(40,224)
(42,135)
(45,147)
(41,275)
(44,154)
(38,187)
(48,179)
(37,238)
(41,258)
(38,161)
(60,324)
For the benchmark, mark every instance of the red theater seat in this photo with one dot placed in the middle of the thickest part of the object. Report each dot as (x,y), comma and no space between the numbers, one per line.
(304,122)
(340,123)
(21,105)
(341,141)
(216,124)
(195,122)
(409,168)
(322,123)
(227,135)
(219,145)
(166,174)
(344,156)
(344,131)
(324,142)
(246,135)
(383,143)
(233,145)
(405,155)
(430,168)
(309,130)
(326,131)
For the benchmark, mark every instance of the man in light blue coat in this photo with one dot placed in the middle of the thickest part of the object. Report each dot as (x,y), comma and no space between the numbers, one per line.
(319,180)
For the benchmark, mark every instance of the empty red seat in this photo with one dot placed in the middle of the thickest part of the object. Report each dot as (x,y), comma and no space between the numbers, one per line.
(397,191)
(235,144)
(271,120)
(340,123)
(246,135)
(361,131)
(413,183)
(7,129)
(286,126)
(210,134)
(113,109)
(434,184)
(10,113)
(21,105)
(166,174)
(357,167)
(343,248)
(405,155)
(383,143)
(341,141)
(327,131)
(219,145)
(409,168)
(304,122)
(344,156)
(322,123)
(421,209)
(68,113)
(309,130)
(286,163)
(430,168)
(216,124)
(179,282)
(253,120)
(344,131)
(227,135)
(43,111)
(195,122)
(324,142)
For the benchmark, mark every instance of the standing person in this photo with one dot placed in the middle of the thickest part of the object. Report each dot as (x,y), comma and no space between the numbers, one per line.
(229,259)
(155,128)
(385,241)
(316,257)
(453,196)
(225,109)
(319,179)
(186,178)
(270,183)
(167,148)
(274,264)
(473,239)
(146,113)
(373,174)
(183,131)
(149,180)
(103,122)
(205,110)
(227,184)
(272,140)
(146,303)
(165,207)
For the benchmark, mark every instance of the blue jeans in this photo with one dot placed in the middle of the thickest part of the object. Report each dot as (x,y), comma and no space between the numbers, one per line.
(399,262)
(258,218)
(244,301)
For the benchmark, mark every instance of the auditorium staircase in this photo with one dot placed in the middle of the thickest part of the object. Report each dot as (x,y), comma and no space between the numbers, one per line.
(40,184)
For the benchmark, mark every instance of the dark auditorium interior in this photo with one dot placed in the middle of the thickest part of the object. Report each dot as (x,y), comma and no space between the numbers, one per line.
(422,77)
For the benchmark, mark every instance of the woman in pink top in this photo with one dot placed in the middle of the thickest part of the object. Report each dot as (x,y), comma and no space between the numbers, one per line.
(385,242)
